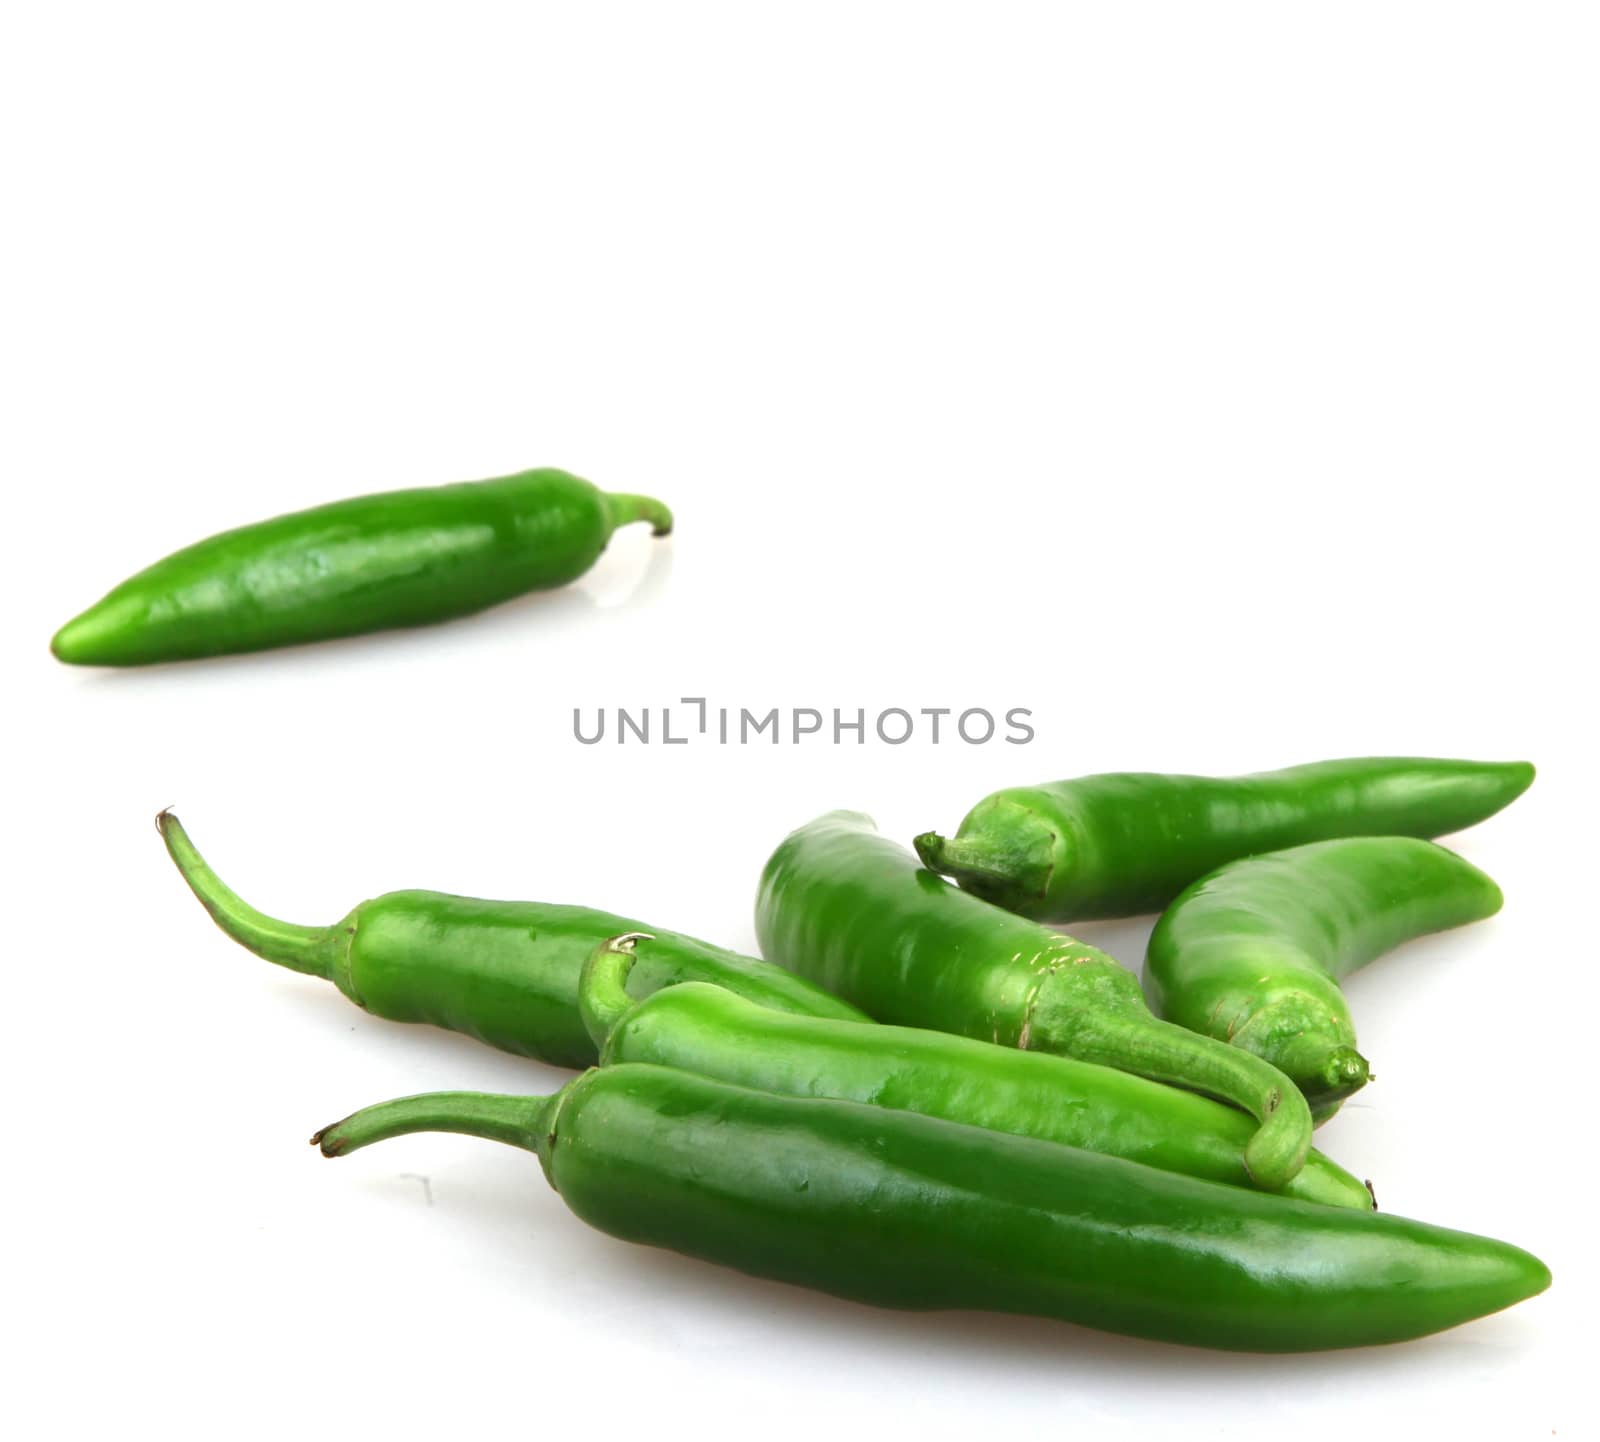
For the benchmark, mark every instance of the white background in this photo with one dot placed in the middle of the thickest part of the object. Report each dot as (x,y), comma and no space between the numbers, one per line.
(1217,381)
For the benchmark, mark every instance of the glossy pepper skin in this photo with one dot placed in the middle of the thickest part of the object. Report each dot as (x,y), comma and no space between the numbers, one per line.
(707,1030)
(853,912)
(400,558)
(505,972)
(907,1211)
(1125,843)
(1253,953)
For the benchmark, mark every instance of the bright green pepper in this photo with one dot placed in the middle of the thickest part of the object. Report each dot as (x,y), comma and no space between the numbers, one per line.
(711,1032)
(1252,954)
(854,913)
(1128,842)
(505,972)
(900,1210)
(401,558)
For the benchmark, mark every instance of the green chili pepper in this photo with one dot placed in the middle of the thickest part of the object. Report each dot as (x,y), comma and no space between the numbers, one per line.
(1252,954)
(709,1031)
(1128,842)
(402,558)
(908,1211)
(854,913)
(505,972)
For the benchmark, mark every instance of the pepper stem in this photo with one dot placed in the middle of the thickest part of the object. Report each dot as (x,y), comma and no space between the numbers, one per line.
(626,509)
(517,1121)
(603,998)
(307,949)
(1168,1053)
(964,860)
(1325,1071)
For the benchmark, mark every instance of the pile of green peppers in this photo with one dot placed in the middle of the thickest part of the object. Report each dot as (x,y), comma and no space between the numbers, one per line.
(929,1096)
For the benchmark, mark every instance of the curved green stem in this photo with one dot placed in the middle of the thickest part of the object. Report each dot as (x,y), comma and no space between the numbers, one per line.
(626,509)
(950,856)
(1168,1053)
(308,949)
(517,1121)
(603,998)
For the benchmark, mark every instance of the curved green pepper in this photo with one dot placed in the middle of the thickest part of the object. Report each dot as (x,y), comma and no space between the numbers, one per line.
(505,972)
(401,558)
(1252,954)
(854,913)
(713,1033)
(900,1210)
(1128,842)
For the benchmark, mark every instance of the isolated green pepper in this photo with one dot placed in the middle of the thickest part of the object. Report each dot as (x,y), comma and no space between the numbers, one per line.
(854,913)
(708,1030)
(1128,842)
(401,558)
(1253,953)
(505,972)
(901,1210)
